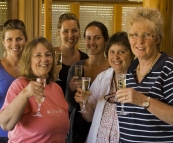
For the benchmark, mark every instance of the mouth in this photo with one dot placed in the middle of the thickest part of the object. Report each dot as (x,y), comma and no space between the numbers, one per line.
(116,62)
(71,40)
(93,47)
(140,48)
(43,65)
(15,49)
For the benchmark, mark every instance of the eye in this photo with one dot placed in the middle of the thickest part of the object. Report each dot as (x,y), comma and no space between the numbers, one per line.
(88,38)
(97,38)
(74,30)
(18,39)
(9,39)
(48,55)
(121,52)
(147,35)
(65,31)
(111,52)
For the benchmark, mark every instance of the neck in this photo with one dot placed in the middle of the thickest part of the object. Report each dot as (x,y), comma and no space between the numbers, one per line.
(149,65)
(96,60)
(68,52)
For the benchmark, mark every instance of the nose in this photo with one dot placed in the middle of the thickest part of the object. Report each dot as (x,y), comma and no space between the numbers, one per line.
(70,34)
(15,43)
(92,41)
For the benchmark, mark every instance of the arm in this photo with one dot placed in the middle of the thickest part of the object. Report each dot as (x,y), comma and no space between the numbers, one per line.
(17,99)
(161,110)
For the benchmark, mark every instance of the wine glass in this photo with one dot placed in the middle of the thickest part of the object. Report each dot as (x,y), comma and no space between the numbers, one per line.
(85,92)
(78,72)
(58,62)
(121,83)
(40,99)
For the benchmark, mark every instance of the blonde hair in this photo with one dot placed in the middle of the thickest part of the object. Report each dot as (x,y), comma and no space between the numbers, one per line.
(149,14)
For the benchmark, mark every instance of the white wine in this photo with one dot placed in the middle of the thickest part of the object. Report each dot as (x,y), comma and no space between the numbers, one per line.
(78,72)
(58,59)
(85,95)
(85,85)
(121,83)
(39,99)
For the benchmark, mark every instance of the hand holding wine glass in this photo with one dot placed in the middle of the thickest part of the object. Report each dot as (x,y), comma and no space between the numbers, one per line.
(85,92)
(40,99)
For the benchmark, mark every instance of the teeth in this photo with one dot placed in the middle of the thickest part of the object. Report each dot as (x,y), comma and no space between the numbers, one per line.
(15,49)
(43,65)
(70,40)
(117,63)
(92,47)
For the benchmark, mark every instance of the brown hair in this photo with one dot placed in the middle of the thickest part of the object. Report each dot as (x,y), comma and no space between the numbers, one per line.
(25,61)
(14,24)
(67,16)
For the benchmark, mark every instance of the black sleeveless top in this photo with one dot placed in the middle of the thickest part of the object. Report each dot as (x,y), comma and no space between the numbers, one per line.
(64,72)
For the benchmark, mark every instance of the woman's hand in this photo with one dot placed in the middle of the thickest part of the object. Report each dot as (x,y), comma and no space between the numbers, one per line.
(129,95)
(34,88)
(74,83)
(78,96)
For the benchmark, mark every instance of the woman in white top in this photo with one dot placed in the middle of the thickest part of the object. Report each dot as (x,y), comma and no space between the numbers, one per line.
(102,113)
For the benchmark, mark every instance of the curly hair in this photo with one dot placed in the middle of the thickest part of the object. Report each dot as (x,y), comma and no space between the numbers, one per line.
(147,14)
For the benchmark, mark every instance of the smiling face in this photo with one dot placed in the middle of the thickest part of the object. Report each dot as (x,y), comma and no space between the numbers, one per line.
(119,58)
(69,33)
(14,42)
(41,61)
(94,40)
(143,49)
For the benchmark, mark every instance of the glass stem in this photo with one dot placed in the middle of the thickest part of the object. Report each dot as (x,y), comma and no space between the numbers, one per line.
(39,106)
(83,107)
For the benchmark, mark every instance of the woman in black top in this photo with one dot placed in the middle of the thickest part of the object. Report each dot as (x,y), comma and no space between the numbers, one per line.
(68,30)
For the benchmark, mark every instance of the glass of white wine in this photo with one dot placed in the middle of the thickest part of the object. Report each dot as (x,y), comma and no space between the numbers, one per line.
(121,83)
(78,72)
(85,92)
(58,61)
(40,99)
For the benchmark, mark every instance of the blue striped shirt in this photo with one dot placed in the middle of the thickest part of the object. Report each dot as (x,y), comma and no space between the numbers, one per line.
(140,126)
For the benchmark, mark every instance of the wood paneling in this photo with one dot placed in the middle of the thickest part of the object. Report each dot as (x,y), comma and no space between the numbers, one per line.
(165,7)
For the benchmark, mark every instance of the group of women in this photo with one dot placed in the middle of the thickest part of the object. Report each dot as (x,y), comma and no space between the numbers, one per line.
(148,92)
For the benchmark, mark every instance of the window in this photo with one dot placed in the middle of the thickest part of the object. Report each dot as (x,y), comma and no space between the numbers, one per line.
(3,18)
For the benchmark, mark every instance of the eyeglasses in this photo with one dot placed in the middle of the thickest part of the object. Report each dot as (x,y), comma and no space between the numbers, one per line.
(66,16)
(145,36)
(15,22)
(110,98)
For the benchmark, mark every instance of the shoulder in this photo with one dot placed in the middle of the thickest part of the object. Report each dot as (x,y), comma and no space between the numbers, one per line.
(20,82)
(83,55)
(107,74)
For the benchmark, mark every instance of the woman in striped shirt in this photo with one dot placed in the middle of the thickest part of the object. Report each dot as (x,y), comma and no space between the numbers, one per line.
(148,97)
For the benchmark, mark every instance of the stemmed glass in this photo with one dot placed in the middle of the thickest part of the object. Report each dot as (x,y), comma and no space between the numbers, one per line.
(85,92)
(121,83)
(40,99)
(58,61)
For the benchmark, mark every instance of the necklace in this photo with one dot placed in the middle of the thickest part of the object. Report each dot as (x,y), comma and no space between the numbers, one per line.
(150,66)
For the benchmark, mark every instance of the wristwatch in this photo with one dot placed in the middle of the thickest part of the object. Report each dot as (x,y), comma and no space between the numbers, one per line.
(146,104)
